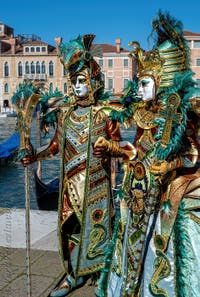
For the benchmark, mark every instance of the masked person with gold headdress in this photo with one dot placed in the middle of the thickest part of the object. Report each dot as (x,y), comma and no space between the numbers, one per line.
(160,248)
(86,139)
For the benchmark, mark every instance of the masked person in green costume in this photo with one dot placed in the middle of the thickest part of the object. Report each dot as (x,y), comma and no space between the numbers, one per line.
(162,218)
(86,139)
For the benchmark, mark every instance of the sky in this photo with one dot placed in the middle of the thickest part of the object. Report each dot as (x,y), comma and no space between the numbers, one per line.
(107,19)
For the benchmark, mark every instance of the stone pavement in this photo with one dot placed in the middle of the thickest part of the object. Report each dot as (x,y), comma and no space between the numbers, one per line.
(46,268)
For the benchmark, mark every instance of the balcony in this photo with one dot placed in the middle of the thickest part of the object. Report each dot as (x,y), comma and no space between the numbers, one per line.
(35,76)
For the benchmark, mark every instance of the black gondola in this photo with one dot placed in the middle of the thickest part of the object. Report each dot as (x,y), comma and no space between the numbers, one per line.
(47,194)
(9,149)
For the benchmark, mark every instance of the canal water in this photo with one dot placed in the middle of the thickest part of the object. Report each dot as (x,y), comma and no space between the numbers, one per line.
(12,179)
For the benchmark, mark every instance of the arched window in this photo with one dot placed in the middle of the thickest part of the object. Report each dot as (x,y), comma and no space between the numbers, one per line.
(43,67)
(32,68)
(27,68)
(6,69)
(65,87)
(51,71)
(5,103)
(38,67)
(20,69)
(51,88)
(6,88)
(64,71)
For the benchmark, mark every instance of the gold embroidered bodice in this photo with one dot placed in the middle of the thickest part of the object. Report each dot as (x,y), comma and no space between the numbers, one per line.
(145,120)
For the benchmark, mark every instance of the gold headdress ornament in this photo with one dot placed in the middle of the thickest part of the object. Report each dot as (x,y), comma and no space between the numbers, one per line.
(76,57)
(172,47)
(148,63)
(175,61)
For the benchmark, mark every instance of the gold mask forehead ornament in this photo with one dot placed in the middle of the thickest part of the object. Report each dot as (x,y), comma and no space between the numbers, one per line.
(148,63)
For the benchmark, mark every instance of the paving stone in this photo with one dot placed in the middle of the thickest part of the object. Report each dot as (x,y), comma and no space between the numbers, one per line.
(48,264)
(8,273)
(19,256)
(17,288)
(46,270)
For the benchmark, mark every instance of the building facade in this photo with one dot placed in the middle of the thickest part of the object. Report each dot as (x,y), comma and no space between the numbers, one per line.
(27,57)
(194,45)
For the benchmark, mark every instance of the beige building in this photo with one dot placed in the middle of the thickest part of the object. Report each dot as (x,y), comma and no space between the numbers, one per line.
(194,44)
(27,57)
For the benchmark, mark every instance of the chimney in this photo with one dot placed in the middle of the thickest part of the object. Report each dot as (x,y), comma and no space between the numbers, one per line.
(118,45)
(13,44)
(58,41)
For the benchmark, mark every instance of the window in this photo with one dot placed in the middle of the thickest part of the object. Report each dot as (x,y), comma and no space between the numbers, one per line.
(189,43)
(6,69)
(20,69)
(32,49)
(27,49)
(198,62)
(32,68)
(51,68)
(110,62)
(125,62)
(43,67)
(38,67)
(110,84)
(65,87)
(196,43)
(37,49)
(125,82)
(27,68)
(64,71)
(5,103)
(43,49)
(101,62)
(51,88)
(6,88)
(198,83)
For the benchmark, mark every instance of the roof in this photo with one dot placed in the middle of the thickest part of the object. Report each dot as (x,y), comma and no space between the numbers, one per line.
(108,48)
(105,48)
(189,33)
(19,47)
(34,42)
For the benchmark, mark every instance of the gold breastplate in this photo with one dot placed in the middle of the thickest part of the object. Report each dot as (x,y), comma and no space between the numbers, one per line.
(145,120)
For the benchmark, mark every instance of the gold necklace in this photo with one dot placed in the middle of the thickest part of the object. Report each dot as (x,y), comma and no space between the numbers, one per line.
(145,118)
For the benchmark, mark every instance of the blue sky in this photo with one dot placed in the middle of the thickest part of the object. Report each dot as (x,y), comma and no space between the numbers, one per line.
(107,19)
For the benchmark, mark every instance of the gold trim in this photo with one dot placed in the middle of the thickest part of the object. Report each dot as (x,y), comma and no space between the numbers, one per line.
(194,218)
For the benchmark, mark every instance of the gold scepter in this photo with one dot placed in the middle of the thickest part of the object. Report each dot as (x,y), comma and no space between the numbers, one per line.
(25,101)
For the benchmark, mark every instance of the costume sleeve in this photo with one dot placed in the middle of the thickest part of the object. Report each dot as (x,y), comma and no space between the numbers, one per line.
(190,157)
(117,147)
(113,130)
(51,150)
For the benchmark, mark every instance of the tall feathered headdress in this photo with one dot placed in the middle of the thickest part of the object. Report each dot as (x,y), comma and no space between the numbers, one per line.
(77,56)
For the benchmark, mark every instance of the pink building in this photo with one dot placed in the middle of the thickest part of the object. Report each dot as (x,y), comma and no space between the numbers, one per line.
(116,66)
(27,57)
(194,44)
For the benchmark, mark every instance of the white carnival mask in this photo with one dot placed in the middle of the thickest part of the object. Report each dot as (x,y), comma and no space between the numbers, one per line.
(79,84)
(146,88)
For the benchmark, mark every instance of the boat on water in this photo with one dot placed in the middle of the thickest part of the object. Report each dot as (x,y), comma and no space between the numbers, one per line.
(8,114)
(46,193)
(9,149)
